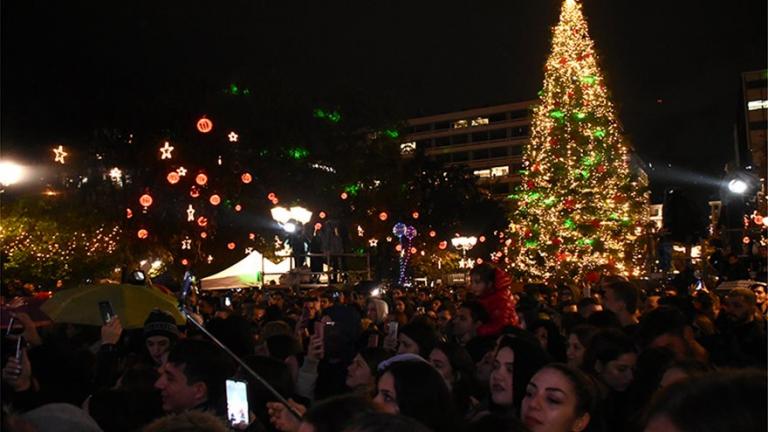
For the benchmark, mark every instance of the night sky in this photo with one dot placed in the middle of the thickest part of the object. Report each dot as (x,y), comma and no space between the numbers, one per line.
(673,67)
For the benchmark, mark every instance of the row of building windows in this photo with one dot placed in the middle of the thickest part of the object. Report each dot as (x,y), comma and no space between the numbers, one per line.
(470,122)
(480,154)
(476,137)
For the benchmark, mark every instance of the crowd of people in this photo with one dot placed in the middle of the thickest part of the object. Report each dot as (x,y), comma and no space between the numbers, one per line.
(479,358)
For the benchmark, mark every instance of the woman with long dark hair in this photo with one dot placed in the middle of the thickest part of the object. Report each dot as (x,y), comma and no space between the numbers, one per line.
(415,389)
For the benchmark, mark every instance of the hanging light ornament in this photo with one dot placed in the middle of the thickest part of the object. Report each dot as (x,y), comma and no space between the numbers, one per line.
(165,151)
(145,200)
(173,177)
(142,234)
(383,216)
(59,155)
(201,179)
(204,125)
(231,245)
(246,178)
(202,221)
(238,207)
(232,136)
(194,192)
(190,213)
(215,200)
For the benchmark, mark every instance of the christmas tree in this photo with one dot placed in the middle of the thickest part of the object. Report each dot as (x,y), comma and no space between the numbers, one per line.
(580,207)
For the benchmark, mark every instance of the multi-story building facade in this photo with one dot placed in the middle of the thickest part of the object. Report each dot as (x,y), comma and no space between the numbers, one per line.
(488,140)
(755,91)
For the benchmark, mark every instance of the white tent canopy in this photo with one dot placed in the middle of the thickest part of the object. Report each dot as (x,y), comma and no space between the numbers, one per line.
(248,272)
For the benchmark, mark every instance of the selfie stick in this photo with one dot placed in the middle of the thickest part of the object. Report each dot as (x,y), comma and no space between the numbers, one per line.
(191,319)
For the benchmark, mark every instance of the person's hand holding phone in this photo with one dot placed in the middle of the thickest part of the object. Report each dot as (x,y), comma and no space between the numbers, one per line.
(111,331)
(316,347)
(30,331)
(18,371)
(282,419)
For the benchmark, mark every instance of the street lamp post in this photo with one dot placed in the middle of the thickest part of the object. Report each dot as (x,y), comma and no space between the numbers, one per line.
(464,244)
(10,173)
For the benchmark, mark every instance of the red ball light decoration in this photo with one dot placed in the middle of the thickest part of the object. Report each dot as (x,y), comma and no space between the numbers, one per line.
(145,200)
(203,234)
(231,245)
(481,239)
(758,219)
(202,221)
(442,245)
(204,125)
(194,192)
(383,216)
(432,233)
(246,178)
(142,234)
(413,251)
(215,200)
(344,195)
(556,241)
(322,215)
(238,207)
(128,213)
(173,177)
(273,198)
(415,215)
(479,261)
(185,262)
(398,247)
(251,236)
(746,240)
(595,223)
(201,179)
(601,168)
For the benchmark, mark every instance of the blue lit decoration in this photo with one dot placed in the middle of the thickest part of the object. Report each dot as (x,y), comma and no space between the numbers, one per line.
(409,232)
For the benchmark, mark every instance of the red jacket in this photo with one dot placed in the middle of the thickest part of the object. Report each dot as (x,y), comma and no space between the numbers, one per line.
(500,306)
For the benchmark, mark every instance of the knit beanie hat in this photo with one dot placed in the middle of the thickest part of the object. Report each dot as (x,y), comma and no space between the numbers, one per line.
(161,323)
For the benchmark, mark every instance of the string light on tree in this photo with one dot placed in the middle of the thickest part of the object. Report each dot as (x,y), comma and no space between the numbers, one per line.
(59,155)
(577,185)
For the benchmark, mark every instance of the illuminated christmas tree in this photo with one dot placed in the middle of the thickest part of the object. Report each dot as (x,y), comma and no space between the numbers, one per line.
(580,207)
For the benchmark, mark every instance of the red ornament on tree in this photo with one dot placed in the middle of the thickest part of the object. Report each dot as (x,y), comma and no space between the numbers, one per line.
(530,184)
(569,204)
(563,60)
(595,223)
(592,277)
(619,198)
(600,168)
(556,241)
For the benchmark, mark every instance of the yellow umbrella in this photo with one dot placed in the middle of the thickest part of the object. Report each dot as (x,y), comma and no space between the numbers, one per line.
(132,303)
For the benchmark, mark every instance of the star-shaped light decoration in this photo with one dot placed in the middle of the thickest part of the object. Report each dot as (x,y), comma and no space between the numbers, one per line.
(210,259)
(186,243)
(182,171)
(165,151)
(190,213)
(233,137)
(60,155)
(248,250)
(373,242)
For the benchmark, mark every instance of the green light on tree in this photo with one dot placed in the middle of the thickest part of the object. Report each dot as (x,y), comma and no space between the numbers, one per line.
(589,79)
(569,223)
(298,153)
(392,133)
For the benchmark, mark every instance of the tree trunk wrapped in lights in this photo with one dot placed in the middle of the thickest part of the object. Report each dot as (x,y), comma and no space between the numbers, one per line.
(580,207)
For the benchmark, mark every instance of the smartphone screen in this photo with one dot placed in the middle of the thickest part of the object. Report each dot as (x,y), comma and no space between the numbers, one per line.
(237,402)
(105,309)
(19,344)
(320,329)
(392,330)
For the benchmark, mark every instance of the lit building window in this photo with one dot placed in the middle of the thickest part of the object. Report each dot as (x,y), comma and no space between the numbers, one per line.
(500,171)
(484,173)
(757,105)
(480,121)
(408,148)
(458,124)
